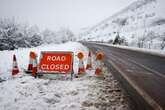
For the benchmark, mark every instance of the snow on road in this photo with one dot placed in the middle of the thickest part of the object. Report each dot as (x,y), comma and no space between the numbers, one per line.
(89,92)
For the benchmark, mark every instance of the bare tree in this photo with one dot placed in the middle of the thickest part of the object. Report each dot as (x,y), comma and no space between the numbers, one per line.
(14,35)
(150,37)
(162,41)
(141,41)
(65,35)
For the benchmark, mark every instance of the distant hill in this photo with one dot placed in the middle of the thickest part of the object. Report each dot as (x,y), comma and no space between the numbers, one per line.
(141,24)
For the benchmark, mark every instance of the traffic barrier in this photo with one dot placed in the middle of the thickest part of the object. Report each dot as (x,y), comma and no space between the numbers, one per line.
(99,65)
(15,69)
(30,65)
(35,64)
(81,68)
(89,61)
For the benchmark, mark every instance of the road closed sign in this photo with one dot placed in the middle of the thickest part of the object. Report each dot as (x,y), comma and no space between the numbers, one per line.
(56,62)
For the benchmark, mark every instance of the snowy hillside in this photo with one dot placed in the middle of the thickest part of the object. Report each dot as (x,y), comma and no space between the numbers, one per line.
(141,24)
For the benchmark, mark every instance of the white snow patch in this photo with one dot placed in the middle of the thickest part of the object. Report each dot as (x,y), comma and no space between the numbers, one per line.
(85,93)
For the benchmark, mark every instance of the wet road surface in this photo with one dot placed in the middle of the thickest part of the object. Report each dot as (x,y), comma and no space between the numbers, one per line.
(142,71)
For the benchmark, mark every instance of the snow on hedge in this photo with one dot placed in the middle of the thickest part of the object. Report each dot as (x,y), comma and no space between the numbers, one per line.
(22,55)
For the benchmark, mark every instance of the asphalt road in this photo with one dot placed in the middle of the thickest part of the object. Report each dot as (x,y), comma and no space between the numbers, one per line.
(141,74)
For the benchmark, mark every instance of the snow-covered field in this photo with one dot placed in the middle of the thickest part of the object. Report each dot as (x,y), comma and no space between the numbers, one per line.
(89,92)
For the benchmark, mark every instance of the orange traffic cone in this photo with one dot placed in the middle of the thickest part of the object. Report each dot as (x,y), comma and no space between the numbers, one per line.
(35,65)
(99,66)
(98,70)
(15,69)
(89,61)
(81,68)
(30,65)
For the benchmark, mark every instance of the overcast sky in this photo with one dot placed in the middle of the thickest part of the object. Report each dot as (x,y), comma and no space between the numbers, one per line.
(53,14)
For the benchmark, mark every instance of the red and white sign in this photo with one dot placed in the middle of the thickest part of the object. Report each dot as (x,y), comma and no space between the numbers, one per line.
(56,62)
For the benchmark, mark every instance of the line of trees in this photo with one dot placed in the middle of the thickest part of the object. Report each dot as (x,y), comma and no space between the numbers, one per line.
(14,35)
(149,40)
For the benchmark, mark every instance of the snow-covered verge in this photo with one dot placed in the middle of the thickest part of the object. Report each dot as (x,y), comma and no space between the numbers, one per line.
(85,93)
(144,50)
(23,92)
(22,55)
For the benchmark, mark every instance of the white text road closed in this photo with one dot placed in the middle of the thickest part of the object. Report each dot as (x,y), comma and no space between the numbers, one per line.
(56,58)
(56,62)
(52,67)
